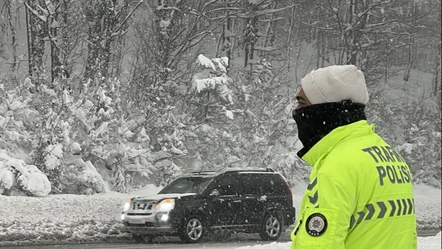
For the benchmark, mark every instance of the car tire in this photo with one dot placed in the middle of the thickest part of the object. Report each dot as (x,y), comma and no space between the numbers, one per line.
(142,238)
(272,226)
(193,230)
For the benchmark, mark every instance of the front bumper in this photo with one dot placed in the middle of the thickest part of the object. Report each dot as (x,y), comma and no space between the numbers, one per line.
(145,230)
(148,223)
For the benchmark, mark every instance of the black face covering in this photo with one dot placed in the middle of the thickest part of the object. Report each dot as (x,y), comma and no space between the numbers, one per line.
(316,121)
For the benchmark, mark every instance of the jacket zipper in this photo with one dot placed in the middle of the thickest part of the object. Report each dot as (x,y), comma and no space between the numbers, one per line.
(297,228)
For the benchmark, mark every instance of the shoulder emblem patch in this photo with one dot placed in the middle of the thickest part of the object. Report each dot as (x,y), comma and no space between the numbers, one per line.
(316,224)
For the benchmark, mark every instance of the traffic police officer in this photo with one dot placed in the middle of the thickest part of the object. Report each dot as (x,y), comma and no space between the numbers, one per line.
(360,194)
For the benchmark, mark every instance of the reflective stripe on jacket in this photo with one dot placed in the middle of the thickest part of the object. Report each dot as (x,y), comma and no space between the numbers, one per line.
(360,194)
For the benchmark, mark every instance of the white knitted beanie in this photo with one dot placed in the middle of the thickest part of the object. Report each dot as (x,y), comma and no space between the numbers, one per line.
(334,84)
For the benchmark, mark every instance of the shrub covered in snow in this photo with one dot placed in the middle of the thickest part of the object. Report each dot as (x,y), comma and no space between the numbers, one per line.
(27,178)
(33,182)
(66,135)
(7,179)
(80,177)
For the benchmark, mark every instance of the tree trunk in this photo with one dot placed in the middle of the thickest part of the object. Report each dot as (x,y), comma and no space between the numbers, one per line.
(56,65)
(101,21)
(229,45)
(65,72)
(354,34)
(29,39)
(251,33)
(270,30)
(251,38)
(36,31)
(411,46)
(437,74)
(163,37)
(386,67)
(119,44)
(13,30)
(318,49)
(289,37)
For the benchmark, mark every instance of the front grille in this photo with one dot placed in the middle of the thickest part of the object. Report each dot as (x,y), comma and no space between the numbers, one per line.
(147,224)
(143,205)
(140,214)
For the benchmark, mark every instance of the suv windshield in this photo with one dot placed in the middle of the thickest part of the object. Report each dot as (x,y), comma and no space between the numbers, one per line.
(187,185)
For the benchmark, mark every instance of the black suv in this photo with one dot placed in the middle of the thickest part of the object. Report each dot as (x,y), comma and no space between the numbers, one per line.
(196,204)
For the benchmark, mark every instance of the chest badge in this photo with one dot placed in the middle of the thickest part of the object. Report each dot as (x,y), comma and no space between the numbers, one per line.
(316,224)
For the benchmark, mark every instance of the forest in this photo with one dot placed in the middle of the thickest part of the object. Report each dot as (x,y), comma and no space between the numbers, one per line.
(109,95)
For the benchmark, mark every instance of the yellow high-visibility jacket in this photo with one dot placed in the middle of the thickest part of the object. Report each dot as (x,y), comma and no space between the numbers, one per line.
(360,194)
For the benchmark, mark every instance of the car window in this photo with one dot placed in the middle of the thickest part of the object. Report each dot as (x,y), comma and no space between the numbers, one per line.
(227,185)
(251,184)
(187,185)
(274,185)
(261,184)
(268,185)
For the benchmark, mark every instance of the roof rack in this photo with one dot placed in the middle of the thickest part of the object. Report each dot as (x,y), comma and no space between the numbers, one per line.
(204,172)
(225,170)
(246,170)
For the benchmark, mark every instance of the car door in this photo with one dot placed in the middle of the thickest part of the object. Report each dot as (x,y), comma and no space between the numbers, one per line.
(252,198)
(224,206)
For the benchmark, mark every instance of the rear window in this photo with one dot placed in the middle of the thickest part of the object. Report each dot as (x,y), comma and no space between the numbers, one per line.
(263,184)
(278,185)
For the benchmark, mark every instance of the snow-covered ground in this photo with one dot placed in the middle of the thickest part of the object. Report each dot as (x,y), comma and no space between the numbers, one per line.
(80,218)
(432,242)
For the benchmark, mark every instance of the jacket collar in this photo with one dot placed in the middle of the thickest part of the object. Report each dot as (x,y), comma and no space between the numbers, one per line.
(342,133)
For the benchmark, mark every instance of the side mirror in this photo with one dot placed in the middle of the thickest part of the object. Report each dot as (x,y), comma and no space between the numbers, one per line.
(214,192)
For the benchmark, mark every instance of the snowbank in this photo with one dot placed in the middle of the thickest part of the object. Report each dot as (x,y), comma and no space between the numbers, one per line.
(60,218)
(64,218)
(427,201)
(423,243)
(96,218)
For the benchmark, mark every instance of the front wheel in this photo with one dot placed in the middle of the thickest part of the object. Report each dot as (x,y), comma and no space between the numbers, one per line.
(193,230)
(271,227)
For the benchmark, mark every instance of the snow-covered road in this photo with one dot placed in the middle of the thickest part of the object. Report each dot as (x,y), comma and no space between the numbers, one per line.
(430,241)
(424,243)
(164,245)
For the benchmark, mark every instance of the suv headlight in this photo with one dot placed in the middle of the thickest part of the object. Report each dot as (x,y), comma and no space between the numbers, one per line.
(165,205)
(126,206)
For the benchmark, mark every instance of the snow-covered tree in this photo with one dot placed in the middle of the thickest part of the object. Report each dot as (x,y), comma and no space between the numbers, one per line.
(17,171)
(107,23)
